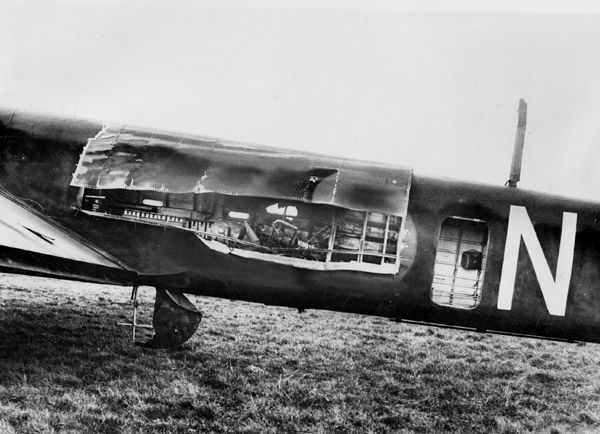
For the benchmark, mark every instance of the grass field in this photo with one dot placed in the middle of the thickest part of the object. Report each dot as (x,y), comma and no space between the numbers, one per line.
(66,367)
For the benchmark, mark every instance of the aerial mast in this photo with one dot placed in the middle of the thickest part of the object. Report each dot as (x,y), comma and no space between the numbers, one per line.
(515,168)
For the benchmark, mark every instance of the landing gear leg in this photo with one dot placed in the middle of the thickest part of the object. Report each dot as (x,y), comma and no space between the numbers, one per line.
(134,324)
(175,320)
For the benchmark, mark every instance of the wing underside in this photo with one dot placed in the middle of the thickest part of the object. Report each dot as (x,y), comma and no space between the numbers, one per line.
(32,244)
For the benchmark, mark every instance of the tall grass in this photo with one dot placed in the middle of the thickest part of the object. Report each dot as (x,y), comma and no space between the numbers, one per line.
(66,367)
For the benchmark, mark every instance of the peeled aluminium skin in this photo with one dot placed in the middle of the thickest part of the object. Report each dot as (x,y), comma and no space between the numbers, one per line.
(124,158)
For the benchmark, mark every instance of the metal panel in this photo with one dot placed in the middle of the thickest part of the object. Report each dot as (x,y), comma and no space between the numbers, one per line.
(123,158)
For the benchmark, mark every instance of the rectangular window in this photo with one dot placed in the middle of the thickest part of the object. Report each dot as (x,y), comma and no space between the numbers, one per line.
(460,263)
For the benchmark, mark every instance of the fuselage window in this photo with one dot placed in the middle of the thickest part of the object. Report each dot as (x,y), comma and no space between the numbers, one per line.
(460,263)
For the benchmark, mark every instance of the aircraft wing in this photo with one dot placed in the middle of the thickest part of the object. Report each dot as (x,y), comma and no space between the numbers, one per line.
(32,244)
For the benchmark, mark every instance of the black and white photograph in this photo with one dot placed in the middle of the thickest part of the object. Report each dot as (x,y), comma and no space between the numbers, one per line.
(299,216)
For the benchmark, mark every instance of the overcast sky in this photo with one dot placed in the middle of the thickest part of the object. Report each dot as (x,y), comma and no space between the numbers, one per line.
(434,87)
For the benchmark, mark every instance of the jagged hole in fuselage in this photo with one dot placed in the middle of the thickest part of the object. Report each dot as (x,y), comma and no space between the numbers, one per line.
(303,234)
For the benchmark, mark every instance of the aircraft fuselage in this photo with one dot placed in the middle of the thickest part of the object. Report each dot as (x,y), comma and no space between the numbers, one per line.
(462,254)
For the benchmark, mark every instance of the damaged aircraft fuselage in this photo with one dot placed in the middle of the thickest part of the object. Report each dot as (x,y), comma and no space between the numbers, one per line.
(108,203)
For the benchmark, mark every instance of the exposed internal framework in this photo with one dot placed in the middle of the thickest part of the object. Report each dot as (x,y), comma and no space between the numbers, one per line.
(289,232)
(310,212)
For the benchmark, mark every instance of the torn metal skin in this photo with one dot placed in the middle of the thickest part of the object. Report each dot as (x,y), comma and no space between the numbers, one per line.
(124,158)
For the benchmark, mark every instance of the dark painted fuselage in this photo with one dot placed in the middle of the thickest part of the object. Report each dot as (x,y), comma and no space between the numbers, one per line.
(38,156)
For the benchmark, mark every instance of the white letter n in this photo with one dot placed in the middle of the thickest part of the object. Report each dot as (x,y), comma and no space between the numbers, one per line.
(555,291)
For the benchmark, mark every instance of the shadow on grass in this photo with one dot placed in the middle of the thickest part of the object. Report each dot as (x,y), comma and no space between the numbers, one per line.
(68,367)
(68,343)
